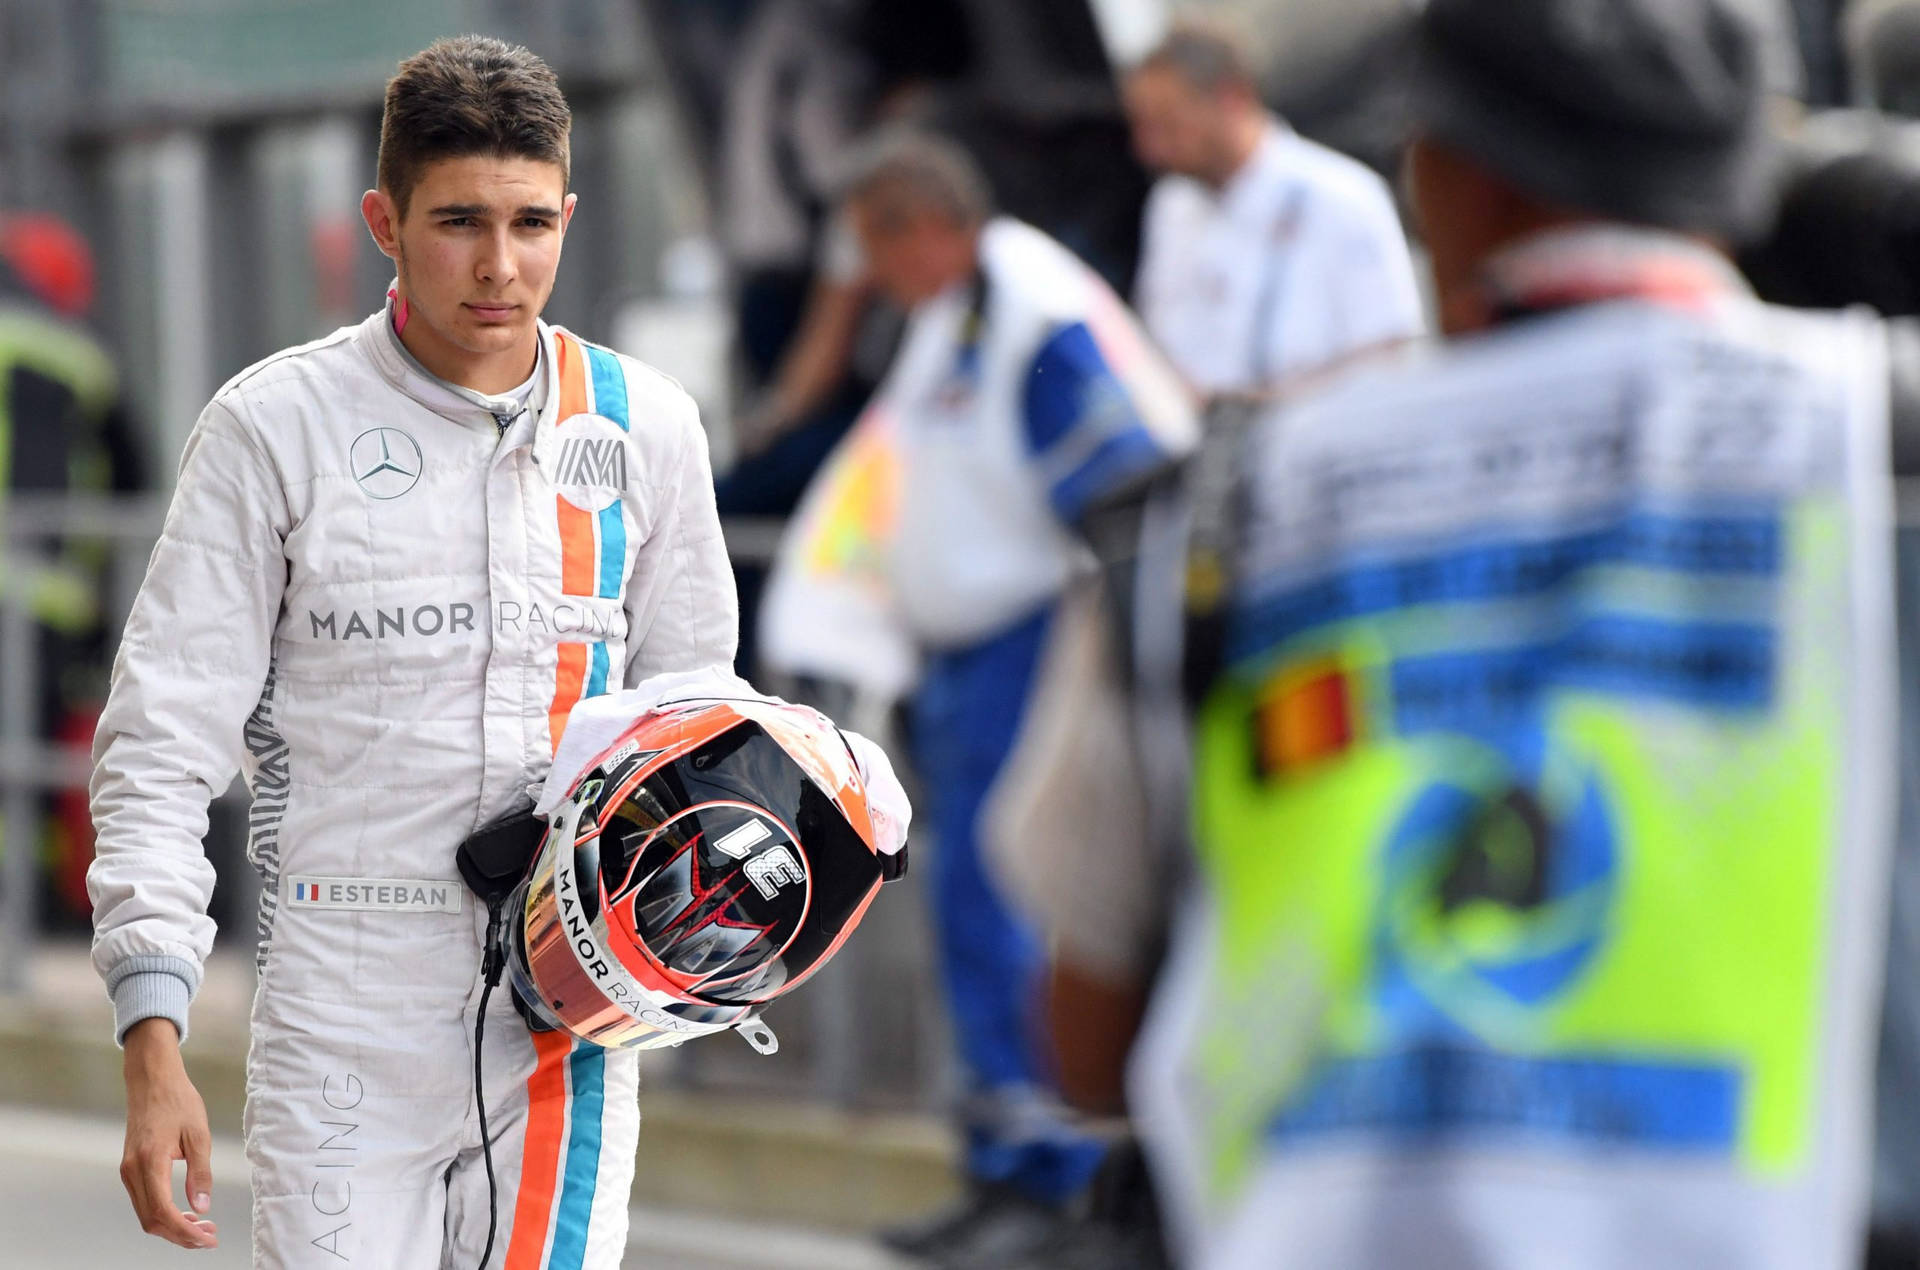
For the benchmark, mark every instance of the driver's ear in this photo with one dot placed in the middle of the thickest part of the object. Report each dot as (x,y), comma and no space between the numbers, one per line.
(382,216)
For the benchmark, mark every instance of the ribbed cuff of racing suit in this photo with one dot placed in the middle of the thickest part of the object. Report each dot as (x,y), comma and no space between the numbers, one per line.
(151,987)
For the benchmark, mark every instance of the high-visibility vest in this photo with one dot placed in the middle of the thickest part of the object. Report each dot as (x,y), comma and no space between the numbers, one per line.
(1542,802)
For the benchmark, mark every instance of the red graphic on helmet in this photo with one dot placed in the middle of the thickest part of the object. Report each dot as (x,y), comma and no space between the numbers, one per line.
(722,852)
(715,894)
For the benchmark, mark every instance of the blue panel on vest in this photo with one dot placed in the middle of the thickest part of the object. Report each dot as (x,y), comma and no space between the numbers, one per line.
(1725,546)
(1727,666)
(1447,1093)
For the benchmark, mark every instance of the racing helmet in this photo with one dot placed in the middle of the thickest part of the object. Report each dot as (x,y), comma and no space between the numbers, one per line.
(709,861)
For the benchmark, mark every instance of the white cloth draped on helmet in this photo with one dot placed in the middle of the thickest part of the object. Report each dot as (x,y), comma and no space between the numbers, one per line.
(595,725)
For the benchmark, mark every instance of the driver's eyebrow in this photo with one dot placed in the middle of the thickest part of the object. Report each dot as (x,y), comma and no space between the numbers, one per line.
(482,209)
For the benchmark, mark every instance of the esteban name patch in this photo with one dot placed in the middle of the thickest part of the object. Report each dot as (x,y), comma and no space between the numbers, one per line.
(375,895)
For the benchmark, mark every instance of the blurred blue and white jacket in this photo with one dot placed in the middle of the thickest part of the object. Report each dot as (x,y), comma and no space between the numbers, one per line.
(1020,402)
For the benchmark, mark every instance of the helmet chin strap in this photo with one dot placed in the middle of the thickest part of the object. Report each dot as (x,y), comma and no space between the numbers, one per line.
(755,1032)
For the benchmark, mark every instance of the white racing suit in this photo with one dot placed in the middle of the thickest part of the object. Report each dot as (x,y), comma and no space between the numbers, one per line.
(382,596)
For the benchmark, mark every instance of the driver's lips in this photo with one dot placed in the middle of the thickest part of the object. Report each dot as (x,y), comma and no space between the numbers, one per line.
(492,311)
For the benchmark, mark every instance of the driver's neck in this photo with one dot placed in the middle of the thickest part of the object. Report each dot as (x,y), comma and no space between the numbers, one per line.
(489,374)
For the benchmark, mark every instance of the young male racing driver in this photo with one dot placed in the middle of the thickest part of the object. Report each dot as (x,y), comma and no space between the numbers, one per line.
(396,558)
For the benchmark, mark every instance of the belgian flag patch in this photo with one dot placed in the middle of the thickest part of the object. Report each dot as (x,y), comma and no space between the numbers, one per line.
(1306,714)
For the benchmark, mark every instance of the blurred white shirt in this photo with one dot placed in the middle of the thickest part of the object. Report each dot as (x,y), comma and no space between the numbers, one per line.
(1297,262)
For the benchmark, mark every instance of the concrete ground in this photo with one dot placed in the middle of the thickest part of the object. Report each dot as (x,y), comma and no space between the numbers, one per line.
(820,1175)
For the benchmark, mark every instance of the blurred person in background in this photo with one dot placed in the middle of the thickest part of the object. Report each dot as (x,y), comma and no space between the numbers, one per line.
(1264,255)
(1848,231)
(1024,396)
(1540,698)
(396,559)
(1882,39)
(64,428)
(814,77)
(1849,234)
(796,98)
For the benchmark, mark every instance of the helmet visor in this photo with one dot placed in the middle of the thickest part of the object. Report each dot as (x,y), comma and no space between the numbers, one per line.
(733,869)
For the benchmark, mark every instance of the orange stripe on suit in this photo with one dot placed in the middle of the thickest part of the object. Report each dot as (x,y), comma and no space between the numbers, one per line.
(570,681)
(540,1158)
(573,378)
(579,572)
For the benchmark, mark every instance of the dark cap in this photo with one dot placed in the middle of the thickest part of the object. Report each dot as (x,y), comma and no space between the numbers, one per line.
(1650,111)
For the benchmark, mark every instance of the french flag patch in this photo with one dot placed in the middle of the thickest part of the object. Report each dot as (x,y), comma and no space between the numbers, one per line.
(374,895)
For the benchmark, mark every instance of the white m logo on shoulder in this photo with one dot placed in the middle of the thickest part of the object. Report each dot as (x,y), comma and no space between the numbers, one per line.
(585,457)
(586,461)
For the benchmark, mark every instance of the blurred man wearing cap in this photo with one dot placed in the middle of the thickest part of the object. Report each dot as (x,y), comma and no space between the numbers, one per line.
(1263,255)
(1024,398)
(1541,744)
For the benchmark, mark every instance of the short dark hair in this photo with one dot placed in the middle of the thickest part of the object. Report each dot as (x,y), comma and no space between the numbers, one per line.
(468,95)
(907,170)
(1208,55)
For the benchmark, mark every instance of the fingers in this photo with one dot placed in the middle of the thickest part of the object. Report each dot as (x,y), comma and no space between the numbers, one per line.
(147,1173)
(166,1121)
(199,1144)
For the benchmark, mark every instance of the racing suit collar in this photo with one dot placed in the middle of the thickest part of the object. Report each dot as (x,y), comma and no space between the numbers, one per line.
(452,401)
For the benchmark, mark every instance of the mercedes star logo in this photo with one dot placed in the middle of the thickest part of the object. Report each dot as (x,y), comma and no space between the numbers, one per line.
(386,462)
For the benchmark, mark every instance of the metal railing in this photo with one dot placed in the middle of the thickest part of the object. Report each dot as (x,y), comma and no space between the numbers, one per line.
(30,766)
(831,1031)
(842,1011)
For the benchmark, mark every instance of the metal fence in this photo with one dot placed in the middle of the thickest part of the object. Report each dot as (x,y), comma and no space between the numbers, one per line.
(29,765)
(869,1029)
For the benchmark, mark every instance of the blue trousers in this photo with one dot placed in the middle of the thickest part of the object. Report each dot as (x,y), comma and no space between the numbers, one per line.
(968,713)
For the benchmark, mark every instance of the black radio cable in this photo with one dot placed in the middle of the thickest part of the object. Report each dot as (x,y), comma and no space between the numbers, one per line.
(493,961)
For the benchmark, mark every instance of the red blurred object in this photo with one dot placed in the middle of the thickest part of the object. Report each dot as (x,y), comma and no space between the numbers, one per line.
(72,818)
(52,259)
(333,243)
